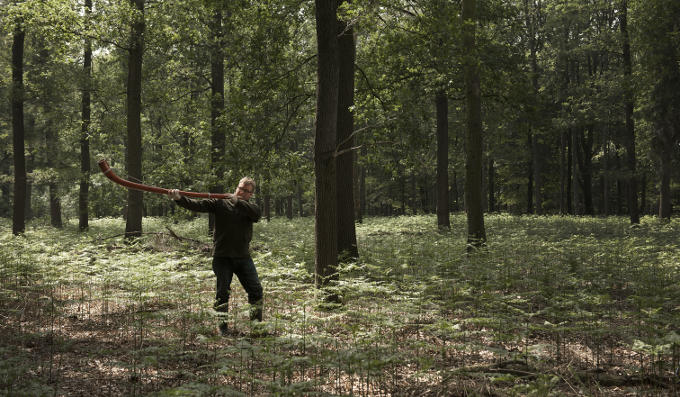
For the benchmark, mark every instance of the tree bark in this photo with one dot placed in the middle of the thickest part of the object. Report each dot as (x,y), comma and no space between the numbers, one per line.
(83,195)
(630,122)
(325,211)
(442,106)
(347,239)
(473,166)
(17,100)
(135,210)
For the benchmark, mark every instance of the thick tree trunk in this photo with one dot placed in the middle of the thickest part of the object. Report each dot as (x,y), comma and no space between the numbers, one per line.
(630,122)
(325,211)
(17,100)
(442,106)
(83,195)
(135,210)
(473,167)
(347,239)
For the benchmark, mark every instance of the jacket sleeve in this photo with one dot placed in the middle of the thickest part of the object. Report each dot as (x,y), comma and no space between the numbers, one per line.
(205,205)
(250,210)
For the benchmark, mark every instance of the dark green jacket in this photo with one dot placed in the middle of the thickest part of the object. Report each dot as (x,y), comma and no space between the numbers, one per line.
(234,220)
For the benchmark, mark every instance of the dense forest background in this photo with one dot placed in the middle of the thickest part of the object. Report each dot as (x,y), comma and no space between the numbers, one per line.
(463,115)
(580,103)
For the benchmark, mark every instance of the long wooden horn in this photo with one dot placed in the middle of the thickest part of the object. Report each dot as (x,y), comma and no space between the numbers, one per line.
(108,172)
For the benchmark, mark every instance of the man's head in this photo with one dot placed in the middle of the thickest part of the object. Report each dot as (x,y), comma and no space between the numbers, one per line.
(245,189)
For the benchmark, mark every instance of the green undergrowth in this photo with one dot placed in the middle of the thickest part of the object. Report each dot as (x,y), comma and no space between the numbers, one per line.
(550,306)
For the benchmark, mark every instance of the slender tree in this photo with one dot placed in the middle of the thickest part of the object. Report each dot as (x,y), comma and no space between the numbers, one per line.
(442,106)
(17,100)
(135,210)
(347,238)
(49,134)
(217,132)
(630,122)
(84,194)
(325,212)
(473,134)
(51,154)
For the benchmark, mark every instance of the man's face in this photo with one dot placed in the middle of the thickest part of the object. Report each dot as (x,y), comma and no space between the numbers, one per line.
(244,191)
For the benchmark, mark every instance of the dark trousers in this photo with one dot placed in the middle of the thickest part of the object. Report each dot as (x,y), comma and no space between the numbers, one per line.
(244,268)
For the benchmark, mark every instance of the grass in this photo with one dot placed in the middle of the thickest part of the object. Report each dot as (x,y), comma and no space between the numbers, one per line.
(552,306)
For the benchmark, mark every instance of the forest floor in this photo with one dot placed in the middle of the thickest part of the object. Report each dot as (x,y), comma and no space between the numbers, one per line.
(552,306)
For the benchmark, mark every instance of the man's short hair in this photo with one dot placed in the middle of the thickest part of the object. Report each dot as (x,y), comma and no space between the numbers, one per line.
(246,180)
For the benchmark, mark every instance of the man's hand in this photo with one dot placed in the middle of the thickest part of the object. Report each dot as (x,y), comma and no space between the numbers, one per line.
(174,194)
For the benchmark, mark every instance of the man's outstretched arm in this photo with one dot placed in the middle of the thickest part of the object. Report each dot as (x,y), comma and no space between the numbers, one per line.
(205,205)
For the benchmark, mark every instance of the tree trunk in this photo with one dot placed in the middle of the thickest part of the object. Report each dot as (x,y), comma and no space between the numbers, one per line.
(347,239)
(362,189)
(289,206)
(473,166)
(217,133)
(570,172)
(643,194)
(30,167)
(575,171)
(17,99)
(630,122)
(298,188)
(563,173)
(325,211)
(492,186)
(83,195)
(442,106)
(530,174)
(135,210)
(585,167)
(267,201)
(666,157)
(605,176)
(51,155)
(537,173)
(454,191)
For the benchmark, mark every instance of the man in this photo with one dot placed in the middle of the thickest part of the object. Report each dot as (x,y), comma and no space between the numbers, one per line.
(234,218)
